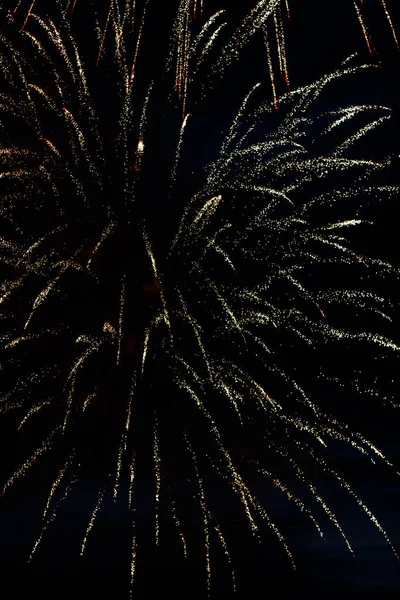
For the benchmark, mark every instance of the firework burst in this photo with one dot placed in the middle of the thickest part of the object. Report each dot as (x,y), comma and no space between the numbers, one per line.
(160,320)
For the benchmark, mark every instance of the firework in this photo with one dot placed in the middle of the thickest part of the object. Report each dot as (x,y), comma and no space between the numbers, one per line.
(273,14)
(157,342)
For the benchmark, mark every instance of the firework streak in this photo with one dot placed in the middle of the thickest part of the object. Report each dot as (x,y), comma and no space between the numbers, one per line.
(157,341)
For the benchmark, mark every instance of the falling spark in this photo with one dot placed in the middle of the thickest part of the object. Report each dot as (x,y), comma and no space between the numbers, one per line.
(287,9)
(179,148)
(14,11)
(203,505)
(22,470)
(360,502)
(121,316)
(28,14)
(227,554)
(363,26)
(103,37)
(156,456)
(139,38)
(133,561)
(179,527)
(390,23)
(92,520)
(131,480)
(271,70)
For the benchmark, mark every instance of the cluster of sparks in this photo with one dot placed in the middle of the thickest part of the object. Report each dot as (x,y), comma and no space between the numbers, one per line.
(358,6)
(270,15)
(256,207)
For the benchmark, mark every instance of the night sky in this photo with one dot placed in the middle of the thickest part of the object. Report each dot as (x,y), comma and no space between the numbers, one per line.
(319,36)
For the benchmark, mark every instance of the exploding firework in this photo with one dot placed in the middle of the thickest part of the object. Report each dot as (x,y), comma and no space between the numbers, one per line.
(270,16)
(148,320)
